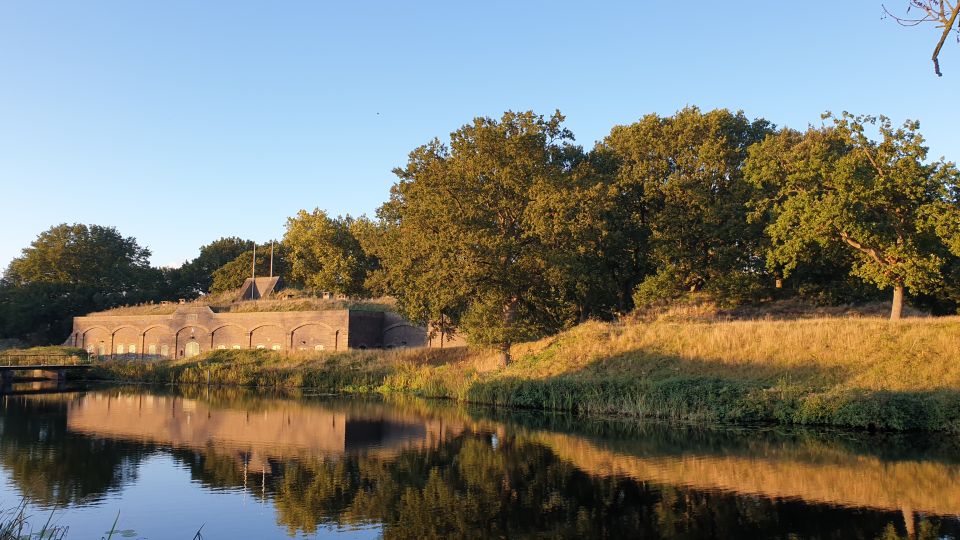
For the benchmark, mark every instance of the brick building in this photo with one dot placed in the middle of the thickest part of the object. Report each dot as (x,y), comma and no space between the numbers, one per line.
(191,330)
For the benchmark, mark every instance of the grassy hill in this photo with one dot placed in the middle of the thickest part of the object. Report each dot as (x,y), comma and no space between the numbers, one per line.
(857,372)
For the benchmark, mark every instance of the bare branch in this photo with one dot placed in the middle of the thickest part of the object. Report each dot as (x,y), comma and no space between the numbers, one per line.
(941,13)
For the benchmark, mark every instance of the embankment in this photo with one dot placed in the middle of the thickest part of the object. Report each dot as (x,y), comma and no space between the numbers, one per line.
(864,373)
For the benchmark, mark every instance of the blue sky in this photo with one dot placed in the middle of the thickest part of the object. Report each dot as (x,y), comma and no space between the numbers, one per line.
(180,122)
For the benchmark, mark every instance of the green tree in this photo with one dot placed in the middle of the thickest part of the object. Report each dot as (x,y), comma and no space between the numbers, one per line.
(681,200)
(71,270)
(461,238)
(875,197)
(196,277)
(78,254)
(325,254)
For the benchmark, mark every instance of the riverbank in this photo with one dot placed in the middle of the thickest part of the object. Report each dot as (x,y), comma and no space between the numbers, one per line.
(862,373)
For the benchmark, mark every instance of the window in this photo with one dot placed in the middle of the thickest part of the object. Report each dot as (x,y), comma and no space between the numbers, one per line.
(164,350)
(260,346)
(121,349)
(100,350)
(192,349)
(235,346)
(152,349)
(318,347)
(133,349)
(221,347)
(276,347)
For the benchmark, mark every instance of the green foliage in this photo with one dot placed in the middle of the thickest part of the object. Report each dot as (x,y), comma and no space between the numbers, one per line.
(682,183)
(463,235)
(78,254)
(71,270)
(836,185)
(657,288)
(325,255)
(196,277)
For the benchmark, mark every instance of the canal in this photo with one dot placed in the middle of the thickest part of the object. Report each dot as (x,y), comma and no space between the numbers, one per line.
(233,463)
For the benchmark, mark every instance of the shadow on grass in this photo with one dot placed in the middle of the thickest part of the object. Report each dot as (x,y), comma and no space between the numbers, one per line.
(677,388)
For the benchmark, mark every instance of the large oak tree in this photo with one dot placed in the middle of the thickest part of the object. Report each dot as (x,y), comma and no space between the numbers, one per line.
(462,239)
(836,184)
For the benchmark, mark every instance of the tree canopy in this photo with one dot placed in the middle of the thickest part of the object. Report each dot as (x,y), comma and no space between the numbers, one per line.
(682,192)
(463,236)
(70,270)
(836,184)
(324,253)
(196,277)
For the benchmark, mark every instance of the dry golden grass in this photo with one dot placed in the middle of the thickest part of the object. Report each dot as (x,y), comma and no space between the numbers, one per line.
(868,353)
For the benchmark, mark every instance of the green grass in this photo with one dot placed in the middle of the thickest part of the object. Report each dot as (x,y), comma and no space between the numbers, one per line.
(863,372)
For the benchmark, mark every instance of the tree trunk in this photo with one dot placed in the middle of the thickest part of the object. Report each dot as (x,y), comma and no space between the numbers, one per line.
(504,355)
(897,309)
(509,315)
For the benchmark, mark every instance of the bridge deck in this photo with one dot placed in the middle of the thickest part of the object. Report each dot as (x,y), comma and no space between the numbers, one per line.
(45,368)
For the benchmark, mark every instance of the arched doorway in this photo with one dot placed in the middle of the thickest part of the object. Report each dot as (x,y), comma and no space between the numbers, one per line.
(191,349)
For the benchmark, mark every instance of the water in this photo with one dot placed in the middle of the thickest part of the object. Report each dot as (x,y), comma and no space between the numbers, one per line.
(245,465)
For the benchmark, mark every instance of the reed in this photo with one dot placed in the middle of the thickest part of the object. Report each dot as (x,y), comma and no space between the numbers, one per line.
(15,525)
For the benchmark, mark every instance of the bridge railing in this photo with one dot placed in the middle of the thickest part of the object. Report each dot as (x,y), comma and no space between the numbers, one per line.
(40,359)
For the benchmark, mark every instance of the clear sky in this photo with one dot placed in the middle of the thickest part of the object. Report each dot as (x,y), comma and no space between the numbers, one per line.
(179,122)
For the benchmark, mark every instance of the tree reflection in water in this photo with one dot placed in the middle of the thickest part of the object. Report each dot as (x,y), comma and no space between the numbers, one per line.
(546,476)
(54,467)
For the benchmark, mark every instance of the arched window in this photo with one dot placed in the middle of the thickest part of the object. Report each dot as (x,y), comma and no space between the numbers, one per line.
(191,349)
(164,350)
(121,349)
(152,349)
(133,349)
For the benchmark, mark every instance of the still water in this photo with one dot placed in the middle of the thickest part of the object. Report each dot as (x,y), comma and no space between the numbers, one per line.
(238,464)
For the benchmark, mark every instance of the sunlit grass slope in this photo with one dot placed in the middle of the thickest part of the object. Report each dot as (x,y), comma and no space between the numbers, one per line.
(853,372)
